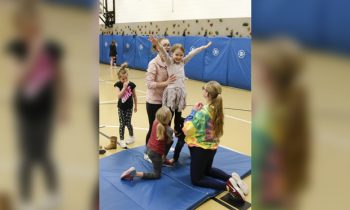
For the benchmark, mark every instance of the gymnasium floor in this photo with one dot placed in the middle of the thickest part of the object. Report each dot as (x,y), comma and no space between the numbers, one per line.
(237,135)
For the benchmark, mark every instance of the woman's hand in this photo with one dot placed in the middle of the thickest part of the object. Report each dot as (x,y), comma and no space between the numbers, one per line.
(208,45)
(198,106)
(170,80)
(153,40)
(135,109)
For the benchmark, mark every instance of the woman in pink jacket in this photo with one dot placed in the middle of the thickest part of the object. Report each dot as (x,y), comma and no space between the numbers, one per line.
(156,80)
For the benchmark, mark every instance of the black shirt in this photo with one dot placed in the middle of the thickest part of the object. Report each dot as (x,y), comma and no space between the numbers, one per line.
(112,50)
(126,101)
(43,103)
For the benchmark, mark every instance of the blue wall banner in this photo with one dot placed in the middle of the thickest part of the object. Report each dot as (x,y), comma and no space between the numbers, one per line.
(216,60)
(239,65)
(194,69)
(129,50)
(142,52)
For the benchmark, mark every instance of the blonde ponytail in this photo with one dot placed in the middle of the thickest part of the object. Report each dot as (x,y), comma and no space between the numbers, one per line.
(163,117)
(218,116)
(214,91)
(160,131)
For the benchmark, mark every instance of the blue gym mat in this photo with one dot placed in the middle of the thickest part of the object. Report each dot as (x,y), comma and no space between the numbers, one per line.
(172,191)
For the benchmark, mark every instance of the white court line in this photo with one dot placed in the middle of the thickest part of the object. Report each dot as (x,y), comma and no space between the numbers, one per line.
(236,118)
(141,91)
(108,82)
(109,102)
(116,101)
(117,126)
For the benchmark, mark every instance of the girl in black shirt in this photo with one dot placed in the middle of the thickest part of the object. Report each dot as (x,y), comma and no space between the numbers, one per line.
(113,53)
(127,97)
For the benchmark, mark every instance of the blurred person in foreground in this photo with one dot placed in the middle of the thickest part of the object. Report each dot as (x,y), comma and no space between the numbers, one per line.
(39,89)
(280,131)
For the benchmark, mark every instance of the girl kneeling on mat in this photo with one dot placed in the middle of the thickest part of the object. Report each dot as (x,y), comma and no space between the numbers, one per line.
(158,146)
(203,128)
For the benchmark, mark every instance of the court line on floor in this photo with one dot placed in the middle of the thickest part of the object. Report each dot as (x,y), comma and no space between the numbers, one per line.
(140,91)
(117,126)
(116,101)
(236,118)
(226,115)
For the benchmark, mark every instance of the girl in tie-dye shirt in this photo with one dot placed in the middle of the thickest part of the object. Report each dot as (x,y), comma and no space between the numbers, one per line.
(203,129)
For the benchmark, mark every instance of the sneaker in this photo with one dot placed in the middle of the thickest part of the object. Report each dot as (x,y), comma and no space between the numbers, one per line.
(130,140)
(234,190)
(145,156)
(241,184)
(122,144)
(168,163)
(128,174)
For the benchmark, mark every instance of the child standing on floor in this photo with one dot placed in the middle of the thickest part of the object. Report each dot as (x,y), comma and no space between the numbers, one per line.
(158,146)
(174,95)
(127,100)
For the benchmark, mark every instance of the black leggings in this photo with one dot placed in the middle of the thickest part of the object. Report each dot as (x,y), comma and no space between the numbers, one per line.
(125,120)
(35,140)
(202,172)
(35,123)
(178,121)
(151,113)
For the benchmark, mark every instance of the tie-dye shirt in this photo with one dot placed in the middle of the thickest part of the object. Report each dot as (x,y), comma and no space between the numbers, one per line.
(199,129)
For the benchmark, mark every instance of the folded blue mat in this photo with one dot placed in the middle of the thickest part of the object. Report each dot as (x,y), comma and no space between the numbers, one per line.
(172,191)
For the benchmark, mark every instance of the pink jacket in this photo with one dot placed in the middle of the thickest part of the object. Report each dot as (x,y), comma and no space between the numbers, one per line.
(156,73)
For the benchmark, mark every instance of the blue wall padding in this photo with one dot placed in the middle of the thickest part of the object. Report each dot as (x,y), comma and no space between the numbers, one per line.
(317,23)
(297,18)
(219,62)
(216,60)
(239,74)
(129,50)
(106,41)
(336,35)
(194,69)
(142,52)
(100,45)
(119,42)
(173,190)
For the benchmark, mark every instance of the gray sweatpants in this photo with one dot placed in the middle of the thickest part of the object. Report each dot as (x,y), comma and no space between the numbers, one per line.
(157,160)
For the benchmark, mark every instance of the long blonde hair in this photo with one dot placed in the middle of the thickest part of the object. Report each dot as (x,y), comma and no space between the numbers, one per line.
(163,117)
(213,89)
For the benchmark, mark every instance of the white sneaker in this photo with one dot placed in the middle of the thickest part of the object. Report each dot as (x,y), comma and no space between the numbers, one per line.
(122,144)
(234,190)
(241,184)
(130,140)
(145,156)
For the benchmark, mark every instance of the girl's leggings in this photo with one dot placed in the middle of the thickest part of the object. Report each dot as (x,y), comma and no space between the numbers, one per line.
(125,120)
